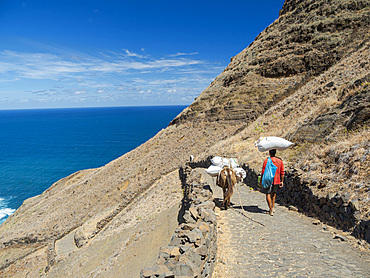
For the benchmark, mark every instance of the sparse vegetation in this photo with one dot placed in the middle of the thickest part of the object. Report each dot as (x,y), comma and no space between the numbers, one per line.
(282,85)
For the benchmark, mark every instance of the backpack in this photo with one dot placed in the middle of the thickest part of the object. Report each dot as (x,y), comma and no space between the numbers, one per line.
(269,174)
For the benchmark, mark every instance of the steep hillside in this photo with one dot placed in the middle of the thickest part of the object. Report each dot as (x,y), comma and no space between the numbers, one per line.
(306,40)
(79,210)
(305,78)
(328,120)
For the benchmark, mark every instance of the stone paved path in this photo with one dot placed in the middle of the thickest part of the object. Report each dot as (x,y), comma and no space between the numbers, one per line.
(288,245)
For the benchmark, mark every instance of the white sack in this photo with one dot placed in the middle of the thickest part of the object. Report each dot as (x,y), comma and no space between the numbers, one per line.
(225,162)
(240,173)
(213,170)
(234,163)
(268,143)
(217,161)
(221,162)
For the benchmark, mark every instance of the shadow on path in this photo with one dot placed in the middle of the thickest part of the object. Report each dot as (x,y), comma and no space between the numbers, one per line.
(252,209)
(218,203)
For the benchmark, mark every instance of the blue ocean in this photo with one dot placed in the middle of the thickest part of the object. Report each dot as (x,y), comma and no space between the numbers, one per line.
(39,147)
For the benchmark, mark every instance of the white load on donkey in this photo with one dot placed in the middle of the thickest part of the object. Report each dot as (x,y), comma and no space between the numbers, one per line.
(228,172)
(219,162)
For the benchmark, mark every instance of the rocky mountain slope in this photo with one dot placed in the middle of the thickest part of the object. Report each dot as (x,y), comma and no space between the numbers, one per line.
(306,40)
(304,78)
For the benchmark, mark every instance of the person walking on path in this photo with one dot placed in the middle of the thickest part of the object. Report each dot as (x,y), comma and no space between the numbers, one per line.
(277,183)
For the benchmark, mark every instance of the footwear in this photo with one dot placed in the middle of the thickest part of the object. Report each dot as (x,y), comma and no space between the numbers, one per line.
(271,213)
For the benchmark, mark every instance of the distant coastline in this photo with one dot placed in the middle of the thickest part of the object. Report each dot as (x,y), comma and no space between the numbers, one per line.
(90,107)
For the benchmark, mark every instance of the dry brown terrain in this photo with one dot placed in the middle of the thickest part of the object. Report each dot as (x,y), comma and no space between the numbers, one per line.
(304,78)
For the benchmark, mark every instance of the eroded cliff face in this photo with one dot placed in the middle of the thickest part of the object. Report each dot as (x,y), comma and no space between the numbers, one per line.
(307,39)
(305,78)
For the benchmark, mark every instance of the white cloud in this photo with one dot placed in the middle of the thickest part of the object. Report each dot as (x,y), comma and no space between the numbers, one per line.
(183,54)
(132,54)
(51,66)
(121,77)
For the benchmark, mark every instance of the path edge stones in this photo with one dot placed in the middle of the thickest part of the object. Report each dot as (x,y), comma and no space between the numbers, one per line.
(192,249)
(333,209)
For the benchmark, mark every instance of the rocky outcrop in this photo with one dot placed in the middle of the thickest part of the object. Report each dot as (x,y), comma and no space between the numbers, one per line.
(307,39)
(353,112)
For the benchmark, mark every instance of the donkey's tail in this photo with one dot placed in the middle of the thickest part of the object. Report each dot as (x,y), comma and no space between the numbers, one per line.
(230,190)
(229,187)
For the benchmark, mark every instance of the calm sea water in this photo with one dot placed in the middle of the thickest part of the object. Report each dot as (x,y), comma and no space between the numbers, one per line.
(39,147)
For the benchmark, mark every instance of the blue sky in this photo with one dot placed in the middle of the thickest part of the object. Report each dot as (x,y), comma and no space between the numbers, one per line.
(88,53)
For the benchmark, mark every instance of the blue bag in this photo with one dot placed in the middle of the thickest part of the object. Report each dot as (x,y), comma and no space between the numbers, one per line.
(269,174)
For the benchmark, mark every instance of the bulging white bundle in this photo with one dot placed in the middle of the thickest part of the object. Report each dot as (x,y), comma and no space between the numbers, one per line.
(268,143)
(234,163)
(213,170)
(240,173)
(219,162)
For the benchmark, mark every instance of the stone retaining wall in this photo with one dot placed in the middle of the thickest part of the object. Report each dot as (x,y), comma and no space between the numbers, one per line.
(333,209)
(193,247)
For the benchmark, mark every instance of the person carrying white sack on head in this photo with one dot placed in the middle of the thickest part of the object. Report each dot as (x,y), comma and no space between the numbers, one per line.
(278,179)
(273,168)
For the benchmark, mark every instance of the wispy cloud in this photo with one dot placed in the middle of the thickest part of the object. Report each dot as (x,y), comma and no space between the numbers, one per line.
(51,66)
(132,54)
(183,54)
(115,76)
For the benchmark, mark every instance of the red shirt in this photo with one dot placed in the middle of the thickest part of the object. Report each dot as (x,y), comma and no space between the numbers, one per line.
(279,171)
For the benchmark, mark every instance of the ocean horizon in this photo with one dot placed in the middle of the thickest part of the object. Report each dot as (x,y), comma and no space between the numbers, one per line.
(42,146)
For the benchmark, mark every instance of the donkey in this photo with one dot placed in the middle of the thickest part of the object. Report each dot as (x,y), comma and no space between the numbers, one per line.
(226,179)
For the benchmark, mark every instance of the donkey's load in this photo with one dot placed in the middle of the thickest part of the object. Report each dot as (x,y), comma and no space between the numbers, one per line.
(219,162)
(265,144)
(213,170)
(240,173)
